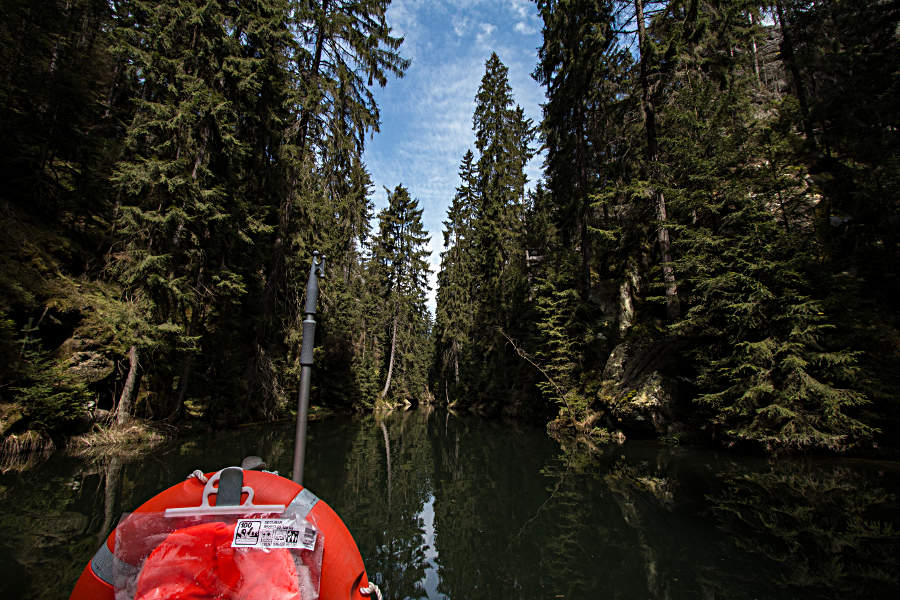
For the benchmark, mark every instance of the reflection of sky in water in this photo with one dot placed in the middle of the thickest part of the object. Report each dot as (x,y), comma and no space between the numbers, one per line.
(432,578)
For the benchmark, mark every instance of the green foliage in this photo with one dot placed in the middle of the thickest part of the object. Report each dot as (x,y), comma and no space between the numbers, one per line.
(483,264)
(169,168)
(582,69)
(319,190)
(765,366)
(560,350)
(174,166)
(692,153)
(55,75)
(51,398)
(244,156)
(503,137)
(846,59)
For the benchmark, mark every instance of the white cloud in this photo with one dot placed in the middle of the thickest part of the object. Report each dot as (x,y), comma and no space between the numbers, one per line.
(525,28)
(460,25)
(486,30)
(522,8)
(528,21)
(403,18)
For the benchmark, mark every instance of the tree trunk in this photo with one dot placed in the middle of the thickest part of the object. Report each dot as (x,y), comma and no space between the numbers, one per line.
(123,410)
(787,53)
(755,52)
(113,472)
(275,274)
(583,209)
(647,108)
(182,389)
(387,384)
(627,291)
(673,308)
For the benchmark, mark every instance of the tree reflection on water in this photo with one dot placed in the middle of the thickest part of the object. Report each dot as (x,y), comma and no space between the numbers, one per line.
(450,507)
(821,527)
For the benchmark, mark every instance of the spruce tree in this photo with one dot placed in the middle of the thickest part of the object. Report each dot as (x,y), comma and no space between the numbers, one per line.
(55,112)
(502,136)
(456,279)
(653,170)
(401,271)
(52,398)
(559,353)
(578,68)
(342,50)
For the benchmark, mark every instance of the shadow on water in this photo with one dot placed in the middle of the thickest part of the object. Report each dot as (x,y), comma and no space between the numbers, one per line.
(463,508)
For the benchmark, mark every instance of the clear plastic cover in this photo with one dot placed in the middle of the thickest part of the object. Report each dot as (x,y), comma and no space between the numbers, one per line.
(199,557)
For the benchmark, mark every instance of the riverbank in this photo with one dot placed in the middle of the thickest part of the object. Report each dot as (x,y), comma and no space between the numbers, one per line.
(28,448)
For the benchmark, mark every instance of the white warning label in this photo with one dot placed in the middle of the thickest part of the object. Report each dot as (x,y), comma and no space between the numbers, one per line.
(273,533)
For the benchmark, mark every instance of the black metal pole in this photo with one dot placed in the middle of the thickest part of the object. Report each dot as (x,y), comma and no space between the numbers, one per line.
(316,271)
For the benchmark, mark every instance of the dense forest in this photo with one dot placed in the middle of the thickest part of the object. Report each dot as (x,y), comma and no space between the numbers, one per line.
(711,253)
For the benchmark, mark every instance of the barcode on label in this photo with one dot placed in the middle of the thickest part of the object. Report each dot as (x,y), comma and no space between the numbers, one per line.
(309,538)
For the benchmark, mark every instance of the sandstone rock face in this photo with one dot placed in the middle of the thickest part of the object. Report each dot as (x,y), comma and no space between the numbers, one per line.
(648,406)
(640,397)
(85,361)
(615,364)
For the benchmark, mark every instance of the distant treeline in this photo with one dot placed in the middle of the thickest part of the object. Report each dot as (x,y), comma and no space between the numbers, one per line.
(712,251)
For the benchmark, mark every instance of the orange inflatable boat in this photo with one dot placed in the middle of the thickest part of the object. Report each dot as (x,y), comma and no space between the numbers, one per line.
(208,565)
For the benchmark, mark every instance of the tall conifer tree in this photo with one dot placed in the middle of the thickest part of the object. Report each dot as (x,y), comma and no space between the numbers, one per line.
(453,314)
(578,66)
(401,267)
(342,50)
(502,136)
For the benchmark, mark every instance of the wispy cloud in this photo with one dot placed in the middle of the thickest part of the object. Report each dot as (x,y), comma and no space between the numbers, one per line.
(485,31)
(527,20)
(404,22)
(524,27)
(521,8)
(460,24)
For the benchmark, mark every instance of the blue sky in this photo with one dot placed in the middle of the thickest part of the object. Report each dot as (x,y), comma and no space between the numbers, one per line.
(426,117)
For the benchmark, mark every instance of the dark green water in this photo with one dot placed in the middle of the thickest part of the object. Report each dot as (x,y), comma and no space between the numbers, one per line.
(466,509)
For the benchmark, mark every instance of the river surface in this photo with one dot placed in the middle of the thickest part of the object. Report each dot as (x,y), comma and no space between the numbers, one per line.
(462,508)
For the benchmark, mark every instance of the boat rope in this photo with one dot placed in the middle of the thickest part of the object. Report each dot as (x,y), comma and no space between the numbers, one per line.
(368,591)
(199,475)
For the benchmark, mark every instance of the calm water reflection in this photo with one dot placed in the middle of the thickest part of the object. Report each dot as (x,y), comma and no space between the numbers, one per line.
(461,508)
